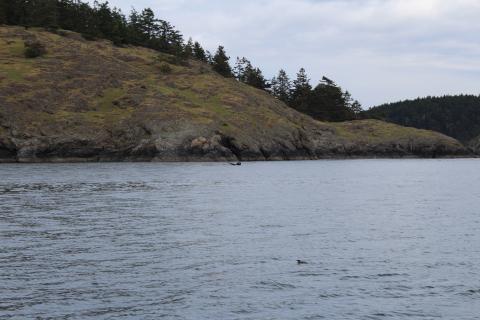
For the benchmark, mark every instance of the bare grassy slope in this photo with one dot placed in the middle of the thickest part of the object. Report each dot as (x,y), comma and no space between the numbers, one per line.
(94,101)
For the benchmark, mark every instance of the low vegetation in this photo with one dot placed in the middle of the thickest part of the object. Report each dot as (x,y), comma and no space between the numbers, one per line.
(34,49)
(165,68)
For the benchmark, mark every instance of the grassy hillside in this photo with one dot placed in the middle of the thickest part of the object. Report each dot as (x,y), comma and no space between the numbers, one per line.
(88,100)
(455,116)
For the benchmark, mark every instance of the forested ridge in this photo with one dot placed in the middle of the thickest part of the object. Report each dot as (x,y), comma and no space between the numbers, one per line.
(326,101)
(456,116)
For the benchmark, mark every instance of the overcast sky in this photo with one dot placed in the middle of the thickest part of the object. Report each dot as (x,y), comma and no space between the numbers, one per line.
(380,50)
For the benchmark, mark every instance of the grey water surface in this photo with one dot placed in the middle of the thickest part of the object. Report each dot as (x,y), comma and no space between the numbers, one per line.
(384,239)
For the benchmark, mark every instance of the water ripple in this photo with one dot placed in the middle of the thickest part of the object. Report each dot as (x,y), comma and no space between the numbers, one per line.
(386,239)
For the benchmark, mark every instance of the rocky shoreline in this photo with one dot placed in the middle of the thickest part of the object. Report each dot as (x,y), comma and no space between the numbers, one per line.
(219,147)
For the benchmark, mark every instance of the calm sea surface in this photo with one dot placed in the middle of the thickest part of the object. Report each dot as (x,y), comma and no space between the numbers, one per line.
(384,239)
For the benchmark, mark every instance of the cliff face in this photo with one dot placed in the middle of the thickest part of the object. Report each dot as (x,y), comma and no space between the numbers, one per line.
(91,101)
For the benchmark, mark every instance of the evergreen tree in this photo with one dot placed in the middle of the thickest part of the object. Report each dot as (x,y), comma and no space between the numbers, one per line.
(347,99)
(325,102)
(301,84)
(110,23)
(329,103)
(169,40)
(31,13)
(147,24)
(66,14)
(246,73)
(188,49)
(75,16)
(301,91)
(135,33)
(199,53)
(209,56)
(43,13)
(255,78)
(327,81)
(18,12)
(3,11)
(281,86)
(239,69)
(356,108)
(220,63)
(119,28)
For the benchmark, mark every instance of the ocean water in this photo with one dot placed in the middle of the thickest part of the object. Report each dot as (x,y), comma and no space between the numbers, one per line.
(383,239)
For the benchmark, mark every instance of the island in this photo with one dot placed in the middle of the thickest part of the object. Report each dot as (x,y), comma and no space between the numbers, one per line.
(92,100)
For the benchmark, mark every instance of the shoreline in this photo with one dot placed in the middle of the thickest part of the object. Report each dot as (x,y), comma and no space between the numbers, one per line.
(200,160)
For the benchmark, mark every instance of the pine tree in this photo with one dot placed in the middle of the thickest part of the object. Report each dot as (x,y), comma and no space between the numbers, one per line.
(188,49)
(356,108)
(66,15)
(301,91)
(246,73)
(148,24)
(3,11)
(281,86)
(134,29)
(199,52)
(256,79)
(175,41)
(329,103)
(209,56)
(111,23)
(36,13)
(220,63)
(168,39)
(351,108)
(328,81)
(15,12)
(347,99)
(119,28)
(91,29)
(242,68)
(302,83)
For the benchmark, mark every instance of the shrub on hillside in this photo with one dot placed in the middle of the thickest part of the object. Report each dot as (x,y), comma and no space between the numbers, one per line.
(58,31)
(88,37)
(173,60)
(165,68)
(34,49)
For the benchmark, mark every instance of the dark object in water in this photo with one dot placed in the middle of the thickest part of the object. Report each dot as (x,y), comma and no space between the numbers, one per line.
(236,163)
(301,262)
